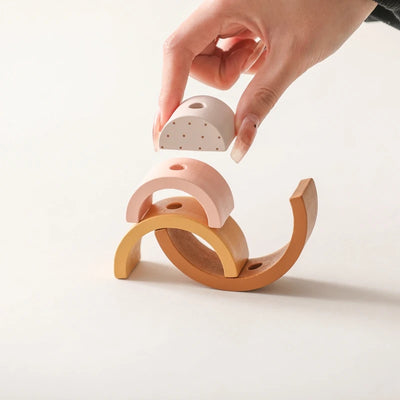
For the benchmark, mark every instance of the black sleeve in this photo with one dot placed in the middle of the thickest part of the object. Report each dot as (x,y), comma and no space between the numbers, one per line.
(387,11)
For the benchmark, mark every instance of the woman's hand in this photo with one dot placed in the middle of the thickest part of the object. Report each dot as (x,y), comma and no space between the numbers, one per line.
(219,41)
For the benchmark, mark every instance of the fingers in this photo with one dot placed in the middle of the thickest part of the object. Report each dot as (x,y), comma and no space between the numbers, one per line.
(218,68)
(156,130)
(258,63)
(221,69)
(193,36)
(273,77)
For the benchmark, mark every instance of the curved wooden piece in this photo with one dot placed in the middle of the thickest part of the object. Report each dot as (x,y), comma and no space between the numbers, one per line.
(196,260)
(185,214)
(194,177)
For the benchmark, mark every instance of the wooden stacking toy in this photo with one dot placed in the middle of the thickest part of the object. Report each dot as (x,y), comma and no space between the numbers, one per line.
(206,213)
(201,123)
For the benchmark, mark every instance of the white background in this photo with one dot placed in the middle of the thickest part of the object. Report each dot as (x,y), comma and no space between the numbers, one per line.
(79,82)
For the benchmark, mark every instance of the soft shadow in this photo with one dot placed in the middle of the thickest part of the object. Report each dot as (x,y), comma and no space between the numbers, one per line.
(311,288)
(147,271)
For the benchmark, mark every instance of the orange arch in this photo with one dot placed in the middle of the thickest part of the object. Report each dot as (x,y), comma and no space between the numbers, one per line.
(184,213)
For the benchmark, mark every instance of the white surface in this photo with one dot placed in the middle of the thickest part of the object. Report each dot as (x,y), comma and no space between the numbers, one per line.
(79,83)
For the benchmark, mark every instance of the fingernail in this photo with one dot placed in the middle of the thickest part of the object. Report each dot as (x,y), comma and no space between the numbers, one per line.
(245,136)
(156,130)
(254,56)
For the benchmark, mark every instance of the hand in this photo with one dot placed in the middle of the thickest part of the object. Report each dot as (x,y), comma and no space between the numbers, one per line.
(218,42)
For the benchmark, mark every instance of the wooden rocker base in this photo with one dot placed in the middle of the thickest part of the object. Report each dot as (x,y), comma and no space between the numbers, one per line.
(228,267)
(202,264)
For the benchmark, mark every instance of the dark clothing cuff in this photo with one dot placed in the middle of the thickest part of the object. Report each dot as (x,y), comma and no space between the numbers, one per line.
(387,11)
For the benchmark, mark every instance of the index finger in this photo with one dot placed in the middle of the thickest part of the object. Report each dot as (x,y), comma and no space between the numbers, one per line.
(189,40)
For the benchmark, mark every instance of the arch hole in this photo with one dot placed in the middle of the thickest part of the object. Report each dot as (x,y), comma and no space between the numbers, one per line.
(174,206)
(177,167)
(196,105)
(254,266)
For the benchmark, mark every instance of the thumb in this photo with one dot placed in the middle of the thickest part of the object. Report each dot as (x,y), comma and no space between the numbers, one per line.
(273,77)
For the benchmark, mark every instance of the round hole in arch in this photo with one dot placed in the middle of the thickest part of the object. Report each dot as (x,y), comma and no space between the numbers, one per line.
(177,167)
(174,206)
(254,266)
(197,105)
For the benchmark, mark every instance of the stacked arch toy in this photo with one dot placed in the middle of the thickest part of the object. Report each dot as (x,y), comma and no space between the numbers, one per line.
(206,213)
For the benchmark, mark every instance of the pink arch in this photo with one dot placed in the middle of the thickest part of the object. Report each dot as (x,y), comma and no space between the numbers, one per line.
(194,177)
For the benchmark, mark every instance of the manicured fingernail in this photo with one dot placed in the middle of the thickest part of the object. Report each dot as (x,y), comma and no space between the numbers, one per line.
(238,151)
(156,130)
(245,137)
(254,56)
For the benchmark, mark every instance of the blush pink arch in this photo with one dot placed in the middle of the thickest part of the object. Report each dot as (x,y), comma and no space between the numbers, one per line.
(194,177)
